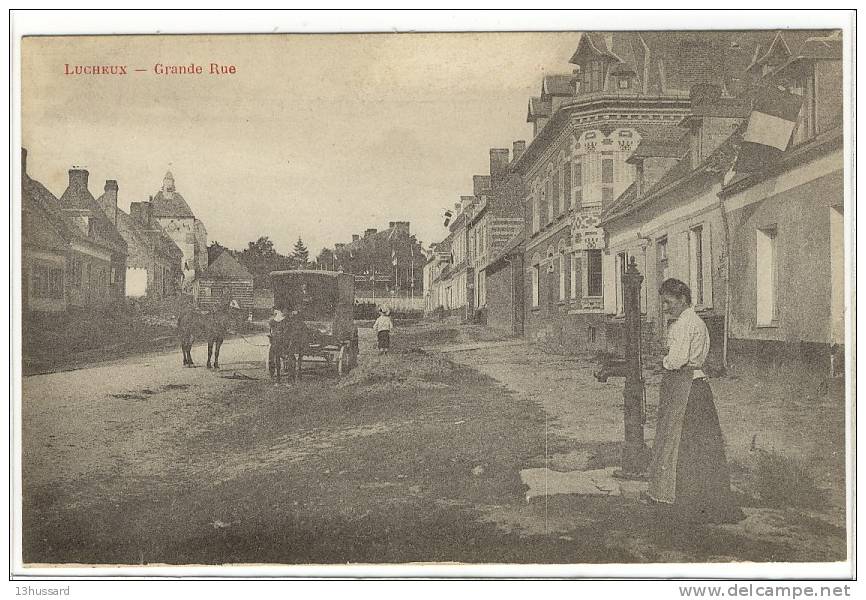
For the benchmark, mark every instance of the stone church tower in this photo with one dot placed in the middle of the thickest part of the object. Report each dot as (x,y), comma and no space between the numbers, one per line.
(180,223)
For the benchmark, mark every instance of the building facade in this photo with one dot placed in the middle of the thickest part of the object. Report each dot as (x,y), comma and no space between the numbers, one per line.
(786,222)
(224,279)
(96,268)
(154,262)
(758,242)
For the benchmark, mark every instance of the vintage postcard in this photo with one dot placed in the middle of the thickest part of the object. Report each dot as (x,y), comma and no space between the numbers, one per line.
(313,302)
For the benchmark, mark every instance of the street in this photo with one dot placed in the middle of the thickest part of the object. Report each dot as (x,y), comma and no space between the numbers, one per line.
(415,456)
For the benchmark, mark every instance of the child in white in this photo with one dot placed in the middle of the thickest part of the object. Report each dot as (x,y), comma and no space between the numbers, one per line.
(382,327)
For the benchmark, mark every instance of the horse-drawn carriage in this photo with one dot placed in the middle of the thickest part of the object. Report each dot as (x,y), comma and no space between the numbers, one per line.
(324,302)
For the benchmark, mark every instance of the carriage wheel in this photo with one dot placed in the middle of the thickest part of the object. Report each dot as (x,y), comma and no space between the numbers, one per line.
(342,361)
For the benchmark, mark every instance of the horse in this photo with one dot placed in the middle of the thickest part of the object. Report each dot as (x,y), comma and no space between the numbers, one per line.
(210,325)
(290,340)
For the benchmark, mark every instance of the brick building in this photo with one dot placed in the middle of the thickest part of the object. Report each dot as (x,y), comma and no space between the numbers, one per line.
(619,112)
(494,216)
(760,244)
(154,261)
(174,215)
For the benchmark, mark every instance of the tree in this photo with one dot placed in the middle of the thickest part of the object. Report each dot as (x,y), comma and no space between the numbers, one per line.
(300,254)
(260,258)
(327,260)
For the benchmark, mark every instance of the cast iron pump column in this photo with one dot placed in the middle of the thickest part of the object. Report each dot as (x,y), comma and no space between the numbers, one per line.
(634,450)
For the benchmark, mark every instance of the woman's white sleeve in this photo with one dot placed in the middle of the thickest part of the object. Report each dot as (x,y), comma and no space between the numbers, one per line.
(678,353)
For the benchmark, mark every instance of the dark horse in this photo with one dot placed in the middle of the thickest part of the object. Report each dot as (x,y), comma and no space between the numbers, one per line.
(290,339)
(211,325)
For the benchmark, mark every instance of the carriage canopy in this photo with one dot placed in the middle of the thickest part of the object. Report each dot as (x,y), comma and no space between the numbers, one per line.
(317,296)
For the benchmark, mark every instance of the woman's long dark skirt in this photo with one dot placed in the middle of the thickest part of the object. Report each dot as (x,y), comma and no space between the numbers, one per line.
(703,490)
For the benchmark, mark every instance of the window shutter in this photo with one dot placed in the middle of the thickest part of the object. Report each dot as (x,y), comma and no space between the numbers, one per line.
(707,252)
(608,263)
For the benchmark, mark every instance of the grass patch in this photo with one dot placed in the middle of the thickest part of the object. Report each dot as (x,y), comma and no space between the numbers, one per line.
(779,480)
(400,372)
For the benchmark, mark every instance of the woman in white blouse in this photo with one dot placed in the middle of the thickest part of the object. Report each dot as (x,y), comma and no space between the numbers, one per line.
(688,472)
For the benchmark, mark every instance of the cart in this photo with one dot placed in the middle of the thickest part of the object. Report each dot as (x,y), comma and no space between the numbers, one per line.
(325,302)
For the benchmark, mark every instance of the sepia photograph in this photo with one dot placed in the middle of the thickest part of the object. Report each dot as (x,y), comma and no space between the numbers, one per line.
(320,299)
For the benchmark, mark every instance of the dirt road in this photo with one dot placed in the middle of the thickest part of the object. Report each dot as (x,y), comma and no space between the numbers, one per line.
(410,458)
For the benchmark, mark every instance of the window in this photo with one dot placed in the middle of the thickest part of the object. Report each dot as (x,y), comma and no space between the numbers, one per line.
(805,128)
(607,170)
(577,184)
(696,265)
(562,274)
(535,202)
(623,83)
(555,201)
(662,259)
(46,281)
(55,283)
(593,273)
(113,276)
(535,275)
(621,265)
(542,205)
(593,76)
(549,202)
(574,259)
(606,181)
(566,187)
(767,284)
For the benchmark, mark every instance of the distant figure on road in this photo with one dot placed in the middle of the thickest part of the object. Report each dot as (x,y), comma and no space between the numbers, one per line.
(689,471)
(382,328)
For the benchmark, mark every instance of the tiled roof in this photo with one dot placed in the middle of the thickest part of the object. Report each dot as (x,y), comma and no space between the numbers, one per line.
(512,245)
(33,192)
(226,267)
(720,161)
(170,204)
(671,143)
(791,157)
(77,196)
(594,42)
(538,108)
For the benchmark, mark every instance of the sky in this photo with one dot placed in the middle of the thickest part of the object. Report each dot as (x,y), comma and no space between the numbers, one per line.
(314,136)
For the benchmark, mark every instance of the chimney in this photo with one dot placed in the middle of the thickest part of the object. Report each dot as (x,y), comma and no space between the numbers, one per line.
(78,178)
(480,184)
(370,231)
(135,211)
(391,225)
(498,163)
(109,200)
(518,148)
(24,161)
(355,237)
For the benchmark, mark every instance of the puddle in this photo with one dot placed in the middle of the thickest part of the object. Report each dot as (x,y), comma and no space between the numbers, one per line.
(128,397)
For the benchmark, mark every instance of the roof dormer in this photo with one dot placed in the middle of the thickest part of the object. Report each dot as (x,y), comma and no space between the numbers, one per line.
(593,59)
